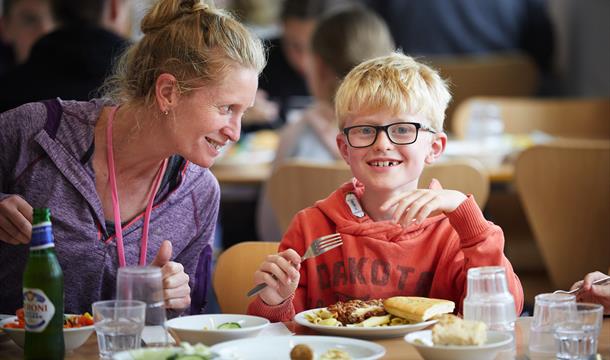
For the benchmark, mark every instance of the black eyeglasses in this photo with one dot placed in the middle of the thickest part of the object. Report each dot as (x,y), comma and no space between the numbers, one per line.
(399,133)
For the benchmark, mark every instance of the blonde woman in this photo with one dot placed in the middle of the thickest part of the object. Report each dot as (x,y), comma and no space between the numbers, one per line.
(127,177)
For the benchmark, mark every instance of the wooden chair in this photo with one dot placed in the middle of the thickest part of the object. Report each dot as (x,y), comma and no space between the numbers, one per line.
(467,176)
(564,187)
(296,185)
(510,74)
(234,272)
(574,118)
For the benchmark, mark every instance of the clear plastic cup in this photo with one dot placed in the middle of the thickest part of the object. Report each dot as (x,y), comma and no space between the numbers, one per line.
(549,309)
(488,299)
(118,325)
(145,283)
(577,337)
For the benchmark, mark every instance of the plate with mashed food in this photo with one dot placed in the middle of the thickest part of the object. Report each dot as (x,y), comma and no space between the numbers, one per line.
(455,339)
(298,348)
(376,318)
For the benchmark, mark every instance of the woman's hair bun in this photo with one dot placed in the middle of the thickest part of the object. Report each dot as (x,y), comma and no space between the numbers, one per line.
(165,12)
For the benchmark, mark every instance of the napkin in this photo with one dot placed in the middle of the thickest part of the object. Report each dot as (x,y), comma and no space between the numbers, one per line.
(275,329)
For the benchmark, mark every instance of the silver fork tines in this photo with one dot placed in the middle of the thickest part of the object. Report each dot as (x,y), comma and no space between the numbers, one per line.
(596,282)
(318,247)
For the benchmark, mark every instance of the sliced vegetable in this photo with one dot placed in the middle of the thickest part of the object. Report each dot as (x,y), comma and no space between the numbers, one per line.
(229,325)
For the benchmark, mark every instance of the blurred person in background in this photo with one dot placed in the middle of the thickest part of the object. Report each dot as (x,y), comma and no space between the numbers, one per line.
(342,39)
(22,22)
(282,85)
(440,27)
(72,61)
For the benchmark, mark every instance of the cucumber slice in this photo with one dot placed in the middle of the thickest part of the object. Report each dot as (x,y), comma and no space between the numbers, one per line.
(229,325)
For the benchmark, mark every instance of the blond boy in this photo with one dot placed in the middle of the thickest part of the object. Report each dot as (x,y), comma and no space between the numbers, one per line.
(398,239)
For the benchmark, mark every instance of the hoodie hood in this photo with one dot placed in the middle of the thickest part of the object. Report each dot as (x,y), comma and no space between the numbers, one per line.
(344,209)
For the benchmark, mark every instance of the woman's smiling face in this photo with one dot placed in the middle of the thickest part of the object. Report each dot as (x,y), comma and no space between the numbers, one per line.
(385,166)
(208,118)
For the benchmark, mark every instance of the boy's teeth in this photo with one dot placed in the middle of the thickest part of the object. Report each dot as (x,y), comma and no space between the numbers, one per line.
(384,163)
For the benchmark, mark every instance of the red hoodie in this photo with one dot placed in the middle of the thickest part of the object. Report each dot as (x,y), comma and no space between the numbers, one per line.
(380,259)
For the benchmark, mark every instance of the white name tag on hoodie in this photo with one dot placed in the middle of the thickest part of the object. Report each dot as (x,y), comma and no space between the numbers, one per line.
(354,205)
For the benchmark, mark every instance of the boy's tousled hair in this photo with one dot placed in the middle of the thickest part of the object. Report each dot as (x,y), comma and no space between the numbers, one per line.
(396,83)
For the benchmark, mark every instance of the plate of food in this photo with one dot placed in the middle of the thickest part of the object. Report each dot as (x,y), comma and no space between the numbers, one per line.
(77,329)
(298,348)
(378,318)
(455,339)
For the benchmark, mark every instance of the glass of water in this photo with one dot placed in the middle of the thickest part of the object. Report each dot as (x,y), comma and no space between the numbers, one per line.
(145,283)
(549,310)
(576,337)
(118,325)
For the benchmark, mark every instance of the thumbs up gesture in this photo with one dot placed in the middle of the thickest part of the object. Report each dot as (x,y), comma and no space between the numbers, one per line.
(176,289)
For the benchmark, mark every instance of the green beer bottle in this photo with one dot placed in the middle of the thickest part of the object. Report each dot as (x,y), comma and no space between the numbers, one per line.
(43,293)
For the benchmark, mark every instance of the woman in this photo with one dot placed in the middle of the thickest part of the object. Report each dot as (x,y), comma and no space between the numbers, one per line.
(124,174)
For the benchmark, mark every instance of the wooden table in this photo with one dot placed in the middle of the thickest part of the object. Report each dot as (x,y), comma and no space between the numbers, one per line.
(396,348)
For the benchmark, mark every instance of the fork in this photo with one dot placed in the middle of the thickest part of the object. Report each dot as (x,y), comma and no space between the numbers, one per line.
(318,247)
(596,282)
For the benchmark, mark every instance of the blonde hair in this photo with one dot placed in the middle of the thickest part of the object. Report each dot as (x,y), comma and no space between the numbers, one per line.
(193,41)
(396,83)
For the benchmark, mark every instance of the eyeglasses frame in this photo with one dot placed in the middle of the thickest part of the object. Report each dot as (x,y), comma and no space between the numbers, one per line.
(385,128)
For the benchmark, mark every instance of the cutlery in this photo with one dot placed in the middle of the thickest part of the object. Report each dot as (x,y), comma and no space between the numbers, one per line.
(596,282)
(318,246)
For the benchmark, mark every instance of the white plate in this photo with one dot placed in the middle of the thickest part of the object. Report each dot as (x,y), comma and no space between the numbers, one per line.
(203,328)
(146,353)
(496,341)
(3,335)
(278,347)
(361,332)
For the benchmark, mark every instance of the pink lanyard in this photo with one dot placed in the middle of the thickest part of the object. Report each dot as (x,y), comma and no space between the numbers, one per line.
(115,199)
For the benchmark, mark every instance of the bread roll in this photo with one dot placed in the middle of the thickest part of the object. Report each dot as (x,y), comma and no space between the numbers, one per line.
(451,330)
(417,309)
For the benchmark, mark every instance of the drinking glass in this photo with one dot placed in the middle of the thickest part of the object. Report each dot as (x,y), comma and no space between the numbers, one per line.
(549,310)
(118,325)
(576,337)
(145,283)
(488,299)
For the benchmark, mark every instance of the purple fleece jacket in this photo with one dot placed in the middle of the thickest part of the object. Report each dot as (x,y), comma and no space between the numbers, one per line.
(48,163)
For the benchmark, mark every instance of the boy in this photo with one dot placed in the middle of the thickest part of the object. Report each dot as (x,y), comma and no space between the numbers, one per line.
(397,239)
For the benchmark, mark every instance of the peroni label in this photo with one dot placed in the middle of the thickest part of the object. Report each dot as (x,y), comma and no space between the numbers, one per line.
(38,310)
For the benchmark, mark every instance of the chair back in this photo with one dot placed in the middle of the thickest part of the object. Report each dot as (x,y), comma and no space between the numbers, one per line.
(465,175)
(295,185)
(509,74)
(234,273)
(564,188)
(572,118)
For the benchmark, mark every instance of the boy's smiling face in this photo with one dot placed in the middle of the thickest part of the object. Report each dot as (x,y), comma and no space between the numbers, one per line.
(387,167)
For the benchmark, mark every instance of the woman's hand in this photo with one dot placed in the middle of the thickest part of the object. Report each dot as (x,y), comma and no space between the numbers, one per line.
(176,289)
(417,205)
(599,294)
(15,220)
(281,274)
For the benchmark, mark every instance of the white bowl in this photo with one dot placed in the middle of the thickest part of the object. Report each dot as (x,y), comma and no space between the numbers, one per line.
(73,337)
(422,341)
(203,328)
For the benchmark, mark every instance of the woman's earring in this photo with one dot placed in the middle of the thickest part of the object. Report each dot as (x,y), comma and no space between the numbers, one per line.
(166,112)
